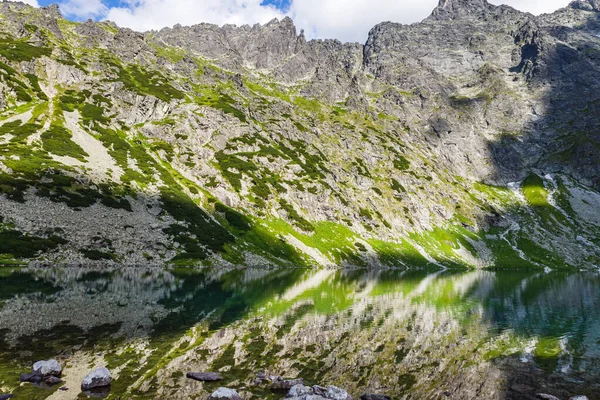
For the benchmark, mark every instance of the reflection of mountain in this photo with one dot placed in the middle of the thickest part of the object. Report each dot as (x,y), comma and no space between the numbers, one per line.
(401,332)
(128,298)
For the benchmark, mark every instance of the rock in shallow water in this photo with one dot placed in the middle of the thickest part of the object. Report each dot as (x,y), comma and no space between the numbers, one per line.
(99,378)
(224,394)
(48,367)
(205,376)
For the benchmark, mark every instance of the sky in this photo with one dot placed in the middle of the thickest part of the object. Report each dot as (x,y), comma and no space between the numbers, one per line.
(346,20)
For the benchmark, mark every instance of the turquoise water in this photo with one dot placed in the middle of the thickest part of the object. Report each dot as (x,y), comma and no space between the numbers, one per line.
(407,333)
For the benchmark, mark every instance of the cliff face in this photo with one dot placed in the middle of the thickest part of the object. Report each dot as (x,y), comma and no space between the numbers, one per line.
(470,139)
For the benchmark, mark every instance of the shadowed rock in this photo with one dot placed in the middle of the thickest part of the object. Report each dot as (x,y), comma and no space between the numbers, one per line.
(205,376)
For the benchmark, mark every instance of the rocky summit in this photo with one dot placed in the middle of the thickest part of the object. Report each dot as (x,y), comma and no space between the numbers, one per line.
(471,139)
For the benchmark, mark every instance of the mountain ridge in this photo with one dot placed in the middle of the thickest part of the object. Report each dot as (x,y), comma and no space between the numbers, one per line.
(461,142)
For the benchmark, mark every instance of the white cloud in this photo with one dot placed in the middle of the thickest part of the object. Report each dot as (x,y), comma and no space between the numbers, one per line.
(82,9)
(31,2)
(351,20)
(346,20)
(155,14)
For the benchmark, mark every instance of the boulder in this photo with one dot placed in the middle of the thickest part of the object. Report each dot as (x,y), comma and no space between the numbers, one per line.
(332,393)
(301,392)
(298,391)
(6,396)
(47,368)
(31,377)
(99,378)
(579,397)
(371,396)
(286,384)
(544,396)
(224,394)
(205,376)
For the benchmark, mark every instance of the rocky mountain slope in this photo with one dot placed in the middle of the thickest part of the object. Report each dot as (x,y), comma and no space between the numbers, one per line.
(470,139)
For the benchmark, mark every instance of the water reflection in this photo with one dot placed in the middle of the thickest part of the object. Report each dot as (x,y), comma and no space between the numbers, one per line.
(546,320)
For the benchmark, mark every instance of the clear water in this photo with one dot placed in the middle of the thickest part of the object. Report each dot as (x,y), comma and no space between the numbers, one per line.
(410,334)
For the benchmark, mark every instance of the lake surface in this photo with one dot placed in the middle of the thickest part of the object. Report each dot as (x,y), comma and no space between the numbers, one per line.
(408,334)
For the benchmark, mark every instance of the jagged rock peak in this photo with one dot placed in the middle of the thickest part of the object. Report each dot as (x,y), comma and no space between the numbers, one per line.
(453,9)
(588,5)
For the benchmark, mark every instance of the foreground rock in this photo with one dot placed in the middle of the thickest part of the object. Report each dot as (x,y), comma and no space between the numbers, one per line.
(301,392)
(224,394)
(374,397)
(205,376)
(49,367)
(47,372)
(543,396)
(99,378)
(6,396)
(285,385)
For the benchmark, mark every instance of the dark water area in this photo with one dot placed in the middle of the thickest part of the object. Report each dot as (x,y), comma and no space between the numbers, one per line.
(410,334)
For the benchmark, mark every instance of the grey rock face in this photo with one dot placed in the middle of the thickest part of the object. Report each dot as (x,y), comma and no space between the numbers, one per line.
(224,394)
(587,5)
(99,378)
(452,9)
(388,139)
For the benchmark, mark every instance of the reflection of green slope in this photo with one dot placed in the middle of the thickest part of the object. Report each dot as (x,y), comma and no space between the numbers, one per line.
(394,282)
(329,295)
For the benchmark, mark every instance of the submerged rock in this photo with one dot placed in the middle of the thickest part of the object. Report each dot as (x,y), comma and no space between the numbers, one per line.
(286,384)
(224,394)
(99,378)
(375,397)
(205,376)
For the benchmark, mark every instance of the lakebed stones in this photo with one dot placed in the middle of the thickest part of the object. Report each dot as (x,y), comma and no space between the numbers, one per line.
(205,376)
(224,394)
(97,379)
(286,384)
